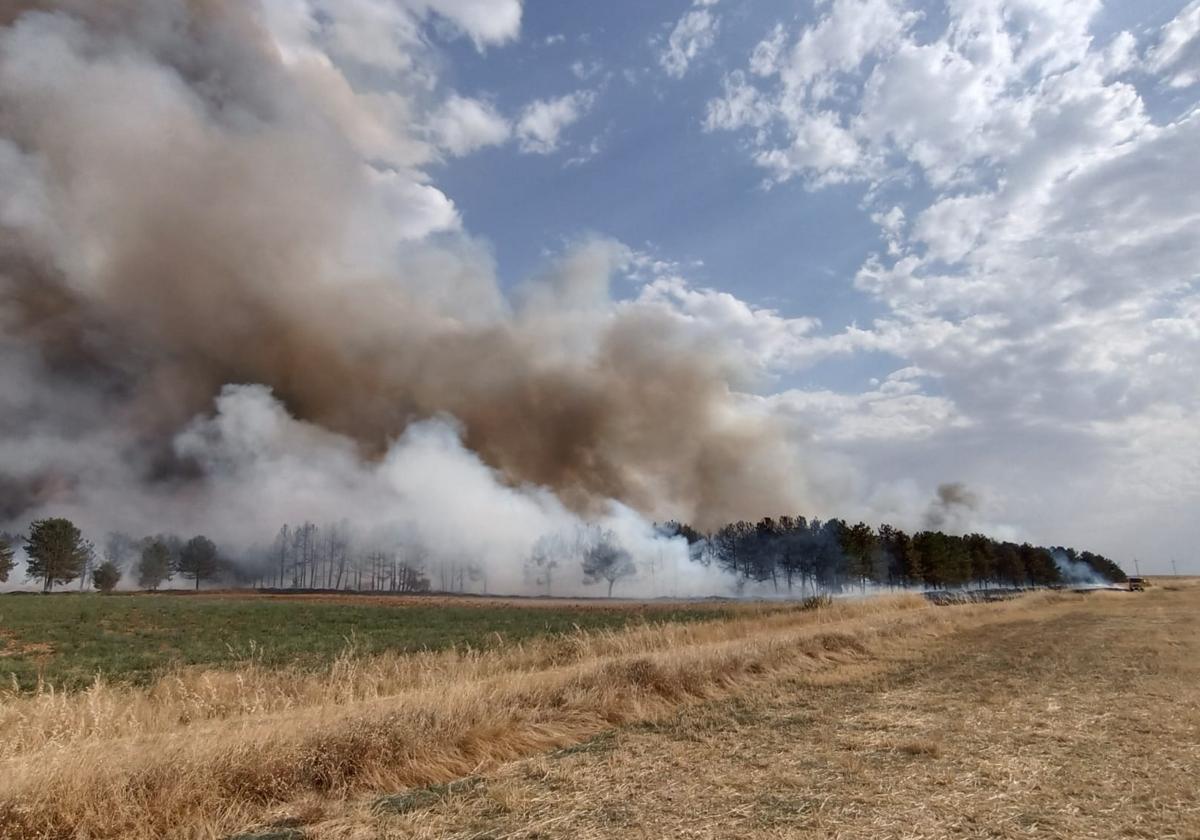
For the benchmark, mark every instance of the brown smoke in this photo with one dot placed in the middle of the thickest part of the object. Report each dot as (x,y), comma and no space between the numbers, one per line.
(198,221)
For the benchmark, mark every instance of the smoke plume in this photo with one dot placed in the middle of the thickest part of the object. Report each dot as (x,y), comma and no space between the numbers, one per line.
(952,509)
(229,297)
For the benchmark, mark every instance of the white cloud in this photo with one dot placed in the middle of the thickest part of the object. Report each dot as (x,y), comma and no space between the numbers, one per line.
(543,121)
(1177,54)
(1045,273)
(821,144)
(741,106)
(894,412)
(584,70)
(483,21)
(694,33)
(383,33)
(413,210)
(767,340)
(463,125)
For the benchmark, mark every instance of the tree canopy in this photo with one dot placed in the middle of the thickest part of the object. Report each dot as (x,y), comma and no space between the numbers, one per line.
(8,559)
(605,559)
(154,564)
(106,576)
(57,552)
(792,552)
(199,560)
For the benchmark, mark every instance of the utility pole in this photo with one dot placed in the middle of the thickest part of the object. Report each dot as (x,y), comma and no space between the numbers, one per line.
(1137,567)
(1174,569)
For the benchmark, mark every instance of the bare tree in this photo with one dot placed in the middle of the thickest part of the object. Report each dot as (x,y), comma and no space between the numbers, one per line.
(283,546)
(304,550)
(605,559)
(547,554)
(339,552)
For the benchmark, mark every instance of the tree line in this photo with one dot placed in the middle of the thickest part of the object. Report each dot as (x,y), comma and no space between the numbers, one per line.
(57,553)
(794,553)
(308,556)
(791,555)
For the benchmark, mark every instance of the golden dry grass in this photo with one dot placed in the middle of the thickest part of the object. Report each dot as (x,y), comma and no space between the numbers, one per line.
(1074,723)
(204,754)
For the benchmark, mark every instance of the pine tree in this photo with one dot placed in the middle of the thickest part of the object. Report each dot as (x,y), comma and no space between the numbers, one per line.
(154,564)
(106,576)
(8,559)
(57,552)
(198,561)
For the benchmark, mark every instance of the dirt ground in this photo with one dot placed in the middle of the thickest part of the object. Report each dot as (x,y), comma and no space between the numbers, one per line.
(1082,724)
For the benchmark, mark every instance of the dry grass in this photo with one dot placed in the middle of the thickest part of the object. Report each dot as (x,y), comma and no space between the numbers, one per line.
(205,754)
(1074,723)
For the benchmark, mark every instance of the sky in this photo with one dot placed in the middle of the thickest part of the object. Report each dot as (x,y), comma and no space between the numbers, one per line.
(962,238)
(947,242)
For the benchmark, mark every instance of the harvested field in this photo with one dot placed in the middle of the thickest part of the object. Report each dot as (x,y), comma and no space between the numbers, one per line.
(207,754)
(826,721)
(1070,723)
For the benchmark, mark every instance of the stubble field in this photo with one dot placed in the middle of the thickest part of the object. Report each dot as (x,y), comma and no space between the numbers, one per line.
(1055,716)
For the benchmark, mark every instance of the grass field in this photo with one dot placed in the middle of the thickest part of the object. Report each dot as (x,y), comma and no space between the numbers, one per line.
(66,640)
(1052,716)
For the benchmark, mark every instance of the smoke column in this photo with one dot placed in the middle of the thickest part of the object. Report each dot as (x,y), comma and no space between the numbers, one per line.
(229,298)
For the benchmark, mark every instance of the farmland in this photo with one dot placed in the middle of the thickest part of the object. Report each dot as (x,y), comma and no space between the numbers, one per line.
(1053,715)
(67,640)
(1077,724)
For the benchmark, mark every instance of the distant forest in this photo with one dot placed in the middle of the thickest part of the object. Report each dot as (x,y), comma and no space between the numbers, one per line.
(784,556)
(793,553)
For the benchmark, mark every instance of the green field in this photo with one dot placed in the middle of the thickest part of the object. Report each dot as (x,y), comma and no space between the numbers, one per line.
(67,639)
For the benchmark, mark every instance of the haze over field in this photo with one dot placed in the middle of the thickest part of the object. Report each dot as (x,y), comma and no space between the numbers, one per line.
(475,272)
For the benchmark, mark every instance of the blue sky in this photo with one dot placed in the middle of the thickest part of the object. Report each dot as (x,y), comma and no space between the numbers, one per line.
(657,179)
(984,328)
(953,241)
(932,240)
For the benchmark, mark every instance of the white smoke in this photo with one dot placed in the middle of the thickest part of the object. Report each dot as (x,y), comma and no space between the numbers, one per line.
(1076,572)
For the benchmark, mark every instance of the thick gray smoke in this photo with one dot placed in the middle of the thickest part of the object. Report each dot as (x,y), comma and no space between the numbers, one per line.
(952,509)
(225,303)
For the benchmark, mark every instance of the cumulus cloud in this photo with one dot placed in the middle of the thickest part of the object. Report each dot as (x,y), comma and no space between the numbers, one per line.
(1043,277)
(894,411)
(694,33)
(1176,56)
(463,125)
(542,122)
(767,340)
